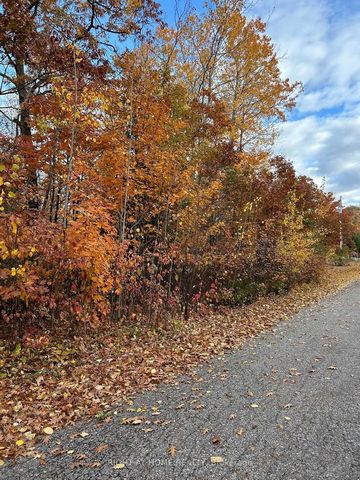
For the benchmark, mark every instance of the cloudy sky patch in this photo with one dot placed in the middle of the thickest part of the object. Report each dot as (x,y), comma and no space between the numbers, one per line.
(317,41)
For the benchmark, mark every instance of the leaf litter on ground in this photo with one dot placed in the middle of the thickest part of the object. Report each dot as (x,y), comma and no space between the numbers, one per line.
(67,379)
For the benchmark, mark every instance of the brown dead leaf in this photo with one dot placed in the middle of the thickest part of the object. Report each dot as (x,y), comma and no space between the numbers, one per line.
(132,420)
(76,465)
(172,450)
(162,422)
(101,448)
(80,456)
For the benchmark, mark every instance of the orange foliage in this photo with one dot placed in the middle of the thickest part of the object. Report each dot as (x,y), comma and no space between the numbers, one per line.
(141,183)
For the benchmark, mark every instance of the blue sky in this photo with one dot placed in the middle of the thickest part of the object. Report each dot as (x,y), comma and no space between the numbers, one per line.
(318,44)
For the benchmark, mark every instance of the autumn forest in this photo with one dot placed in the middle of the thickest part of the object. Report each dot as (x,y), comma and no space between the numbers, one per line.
(138,182)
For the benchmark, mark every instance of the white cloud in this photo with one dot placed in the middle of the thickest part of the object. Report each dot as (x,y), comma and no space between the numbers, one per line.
(317,41)
(326,147)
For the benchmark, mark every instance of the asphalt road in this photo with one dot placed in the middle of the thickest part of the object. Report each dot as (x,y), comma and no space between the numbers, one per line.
(285,406)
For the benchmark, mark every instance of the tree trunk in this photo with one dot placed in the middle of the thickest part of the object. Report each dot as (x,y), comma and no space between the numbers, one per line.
(25,130)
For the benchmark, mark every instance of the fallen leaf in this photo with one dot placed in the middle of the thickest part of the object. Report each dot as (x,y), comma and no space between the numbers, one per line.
(119,466)
(132,420)
(101,448)
(58,451)
(75,465)
(2,463)
(240,431)
(215,440)
(162,422)
(84,434)
(254,405)
(19,442)
(172,450)
(216,459)
(81,456)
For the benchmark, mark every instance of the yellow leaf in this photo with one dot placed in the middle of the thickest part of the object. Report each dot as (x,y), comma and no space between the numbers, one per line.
(48,430)
(20,442)
(2,463)
(216,459)
(119,466)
